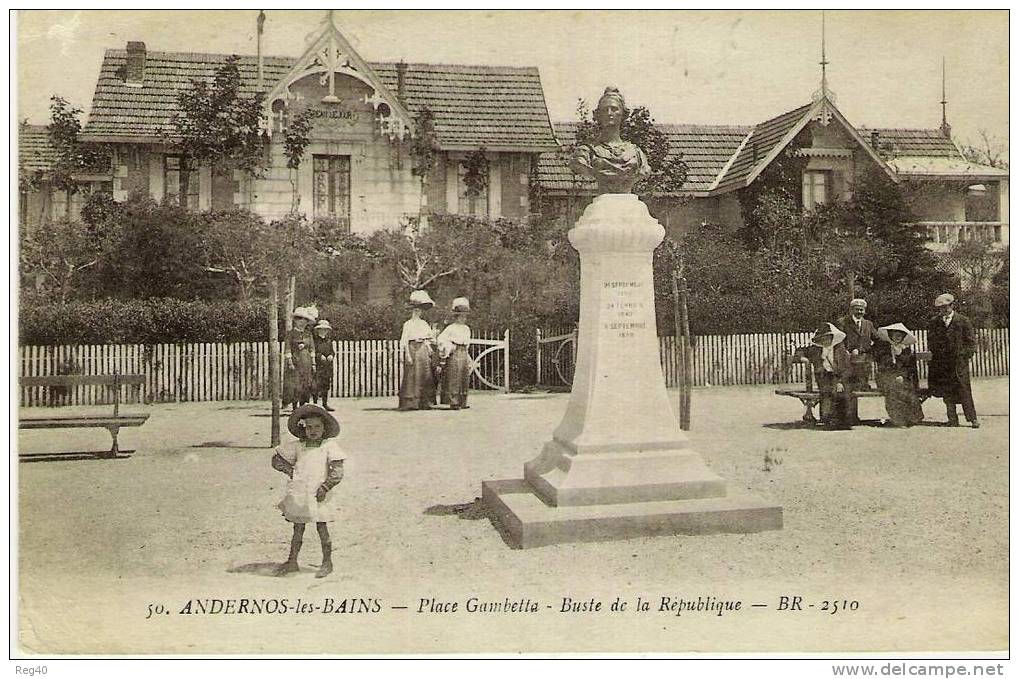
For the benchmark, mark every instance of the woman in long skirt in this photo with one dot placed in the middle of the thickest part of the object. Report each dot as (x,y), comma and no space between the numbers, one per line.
(454,342)
(897,375)
(417,388)
(832,370)
(299,359)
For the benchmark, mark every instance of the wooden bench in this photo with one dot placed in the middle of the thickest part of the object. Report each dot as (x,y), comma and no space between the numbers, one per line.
(810,397)
(111,423)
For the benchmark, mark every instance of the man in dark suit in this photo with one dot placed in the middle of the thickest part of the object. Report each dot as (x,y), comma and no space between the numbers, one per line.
(860,336)
(952,343)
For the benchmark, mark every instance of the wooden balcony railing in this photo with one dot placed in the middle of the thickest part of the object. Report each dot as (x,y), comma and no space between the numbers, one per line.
(948,233)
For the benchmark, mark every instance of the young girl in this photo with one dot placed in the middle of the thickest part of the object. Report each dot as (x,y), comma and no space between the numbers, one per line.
(454,343)
(314,464)
(417,387)
(323,362)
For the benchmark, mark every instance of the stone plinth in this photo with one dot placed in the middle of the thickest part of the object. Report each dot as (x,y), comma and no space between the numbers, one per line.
(618,465)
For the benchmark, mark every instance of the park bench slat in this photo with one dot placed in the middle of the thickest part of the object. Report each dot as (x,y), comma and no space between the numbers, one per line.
(77,422)
(79,380)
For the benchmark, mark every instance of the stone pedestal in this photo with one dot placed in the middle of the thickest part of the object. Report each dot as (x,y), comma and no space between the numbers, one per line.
(618,465)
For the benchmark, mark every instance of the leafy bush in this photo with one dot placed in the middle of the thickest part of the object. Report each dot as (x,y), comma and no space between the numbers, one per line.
(151,321)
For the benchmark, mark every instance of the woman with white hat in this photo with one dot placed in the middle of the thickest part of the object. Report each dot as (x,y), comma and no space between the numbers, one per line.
(299,359)
(454,343)
(417,387)
(832,371)
(897,376)
(324,353)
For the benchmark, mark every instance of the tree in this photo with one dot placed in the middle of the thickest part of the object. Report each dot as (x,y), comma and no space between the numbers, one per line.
(978,261)
(986,150)
(451,245)
(216,123)
(54,255)
(295,141)
(72,156)
(668,172)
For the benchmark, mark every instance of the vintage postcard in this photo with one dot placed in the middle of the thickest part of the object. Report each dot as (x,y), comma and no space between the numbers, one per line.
(511,332)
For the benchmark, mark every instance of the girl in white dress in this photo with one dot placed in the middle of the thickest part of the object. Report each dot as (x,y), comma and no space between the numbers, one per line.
(314,465)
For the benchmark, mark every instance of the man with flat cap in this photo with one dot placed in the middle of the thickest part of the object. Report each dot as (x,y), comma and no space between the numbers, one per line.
(952,343)
(860,336)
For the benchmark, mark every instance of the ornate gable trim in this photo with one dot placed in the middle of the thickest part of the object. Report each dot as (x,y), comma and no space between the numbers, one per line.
(330,53)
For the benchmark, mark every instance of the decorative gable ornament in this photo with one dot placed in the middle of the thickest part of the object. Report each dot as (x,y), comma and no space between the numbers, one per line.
(329,53)
(824,113)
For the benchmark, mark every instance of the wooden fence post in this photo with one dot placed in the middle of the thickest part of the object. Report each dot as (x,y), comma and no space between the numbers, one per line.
(537,356)
(506,360)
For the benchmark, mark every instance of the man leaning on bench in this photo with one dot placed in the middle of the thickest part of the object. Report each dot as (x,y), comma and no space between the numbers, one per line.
(111,423)
(843,355)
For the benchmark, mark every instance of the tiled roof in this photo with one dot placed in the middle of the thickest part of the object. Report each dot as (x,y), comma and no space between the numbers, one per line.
(898,142)
(473,105)
(765,137)
(35,152)
(943,167)
(477,105)
(704,148)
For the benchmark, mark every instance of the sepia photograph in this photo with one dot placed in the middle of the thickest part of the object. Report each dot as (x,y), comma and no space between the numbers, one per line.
(510,332)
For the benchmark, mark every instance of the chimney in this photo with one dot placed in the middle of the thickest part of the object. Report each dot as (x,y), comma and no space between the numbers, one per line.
(401,81)
(875,139)
(134,73)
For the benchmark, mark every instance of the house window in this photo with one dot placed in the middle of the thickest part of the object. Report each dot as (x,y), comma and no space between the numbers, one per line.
(467,204)
(332,188)
(817,188)
(180,182)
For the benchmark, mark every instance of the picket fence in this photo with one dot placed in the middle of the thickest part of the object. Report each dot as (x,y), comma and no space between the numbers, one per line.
(228,371)
(727,360)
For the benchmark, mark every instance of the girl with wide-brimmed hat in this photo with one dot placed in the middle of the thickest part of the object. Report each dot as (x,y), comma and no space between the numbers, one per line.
(454,342)
(832,371)
(299,358)
(417,386)
(897,375)
(314,466)
(324,354)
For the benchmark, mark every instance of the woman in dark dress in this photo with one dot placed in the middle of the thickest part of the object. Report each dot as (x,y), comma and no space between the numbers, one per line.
(832,371)
(897,375)
(299,359)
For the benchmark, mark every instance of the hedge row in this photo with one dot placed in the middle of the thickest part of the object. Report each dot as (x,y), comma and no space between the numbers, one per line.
(157,321)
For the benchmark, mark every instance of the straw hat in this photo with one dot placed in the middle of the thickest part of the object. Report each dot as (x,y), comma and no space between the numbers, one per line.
(420,298)
(461,305)
(323,325)
(944,300)
(828,329)
(909,340)
(306,313)
(332,426)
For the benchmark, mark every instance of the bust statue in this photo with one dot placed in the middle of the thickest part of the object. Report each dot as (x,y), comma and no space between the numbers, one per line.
(615,165)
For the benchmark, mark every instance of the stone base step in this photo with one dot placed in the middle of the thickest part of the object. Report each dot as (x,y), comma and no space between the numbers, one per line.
(529,522)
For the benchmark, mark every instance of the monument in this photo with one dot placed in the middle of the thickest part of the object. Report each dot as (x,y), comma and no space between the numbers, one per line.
(618,465)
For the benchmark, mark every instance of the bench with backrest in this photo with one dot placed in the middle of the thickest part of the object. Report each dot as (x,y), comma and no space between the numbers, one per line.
(111,423)
(810,397)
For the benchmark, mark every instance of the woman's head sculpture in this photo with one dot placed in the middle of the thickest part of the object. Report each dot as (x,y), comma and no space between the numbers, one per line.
(615,165)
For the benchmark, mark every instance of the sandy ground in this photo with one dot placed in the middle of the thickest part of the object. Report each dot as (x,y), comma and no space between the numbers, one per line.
(911,524)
